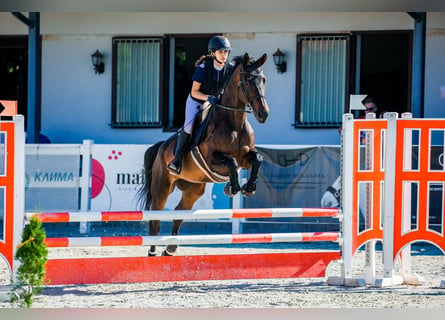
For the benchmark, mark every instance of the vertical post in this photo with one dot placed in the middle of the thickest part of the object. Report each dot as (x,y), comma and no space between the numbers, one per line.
(418,79)
(405,254)
(19,185)
(171,82)
(85,181)
(34,81)
(389,201)
(346,198)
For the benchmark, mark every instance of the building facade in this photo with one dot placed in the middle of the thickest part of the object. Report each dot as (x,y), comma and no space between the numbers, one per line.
(148,62)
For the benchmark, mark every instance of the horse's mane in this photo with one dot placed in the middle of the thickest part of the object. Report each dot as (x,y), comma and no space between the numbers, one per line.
(239,59)
(205,57)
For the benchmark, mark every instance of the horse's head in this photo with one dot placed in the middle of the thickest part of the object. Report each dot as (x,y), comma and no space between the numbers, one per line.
(253,86)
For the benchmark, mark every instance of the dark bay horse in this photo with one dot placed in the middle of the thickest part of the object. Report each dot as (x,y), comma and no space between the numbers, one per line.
(226,147)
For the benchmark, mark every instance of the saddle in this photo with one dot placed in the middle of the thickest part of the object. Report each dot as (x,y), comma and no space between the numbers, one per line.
(201,123)
(198,135)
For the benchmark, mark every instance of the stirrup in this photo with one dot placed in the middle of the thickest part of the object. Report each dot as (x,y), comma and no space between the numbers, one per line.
(174,169)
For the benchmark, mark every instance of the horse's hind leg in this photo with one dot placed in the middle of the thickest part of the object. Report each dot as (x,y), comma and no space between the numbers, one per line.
(250,187)
(170,249)
(154,230)
(161,189)
(190,193)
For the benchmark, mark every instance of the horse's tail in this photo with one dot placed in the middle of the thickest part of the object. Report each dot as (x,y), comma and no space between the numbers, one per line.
(144,193)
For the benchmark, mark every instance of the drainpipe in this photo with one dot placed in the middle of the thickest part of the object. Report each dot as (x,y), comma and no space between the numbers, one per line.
(418,79)
(34,71)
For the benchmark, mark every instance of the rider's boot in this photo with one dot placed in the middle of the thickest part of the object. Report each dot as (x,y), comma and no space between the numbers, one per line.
(182,143)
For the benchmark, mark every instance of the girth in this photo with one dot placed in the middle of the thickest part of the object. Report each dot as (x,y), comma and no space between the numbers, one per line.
(204,167)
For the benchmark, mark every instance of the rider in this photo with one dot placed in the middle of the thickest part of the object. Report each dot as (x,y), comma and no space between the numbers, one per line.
(210,75)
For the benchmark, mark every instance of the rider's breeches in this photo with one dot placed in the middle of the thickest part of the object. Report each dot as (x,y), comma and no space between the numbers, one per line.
(192,107)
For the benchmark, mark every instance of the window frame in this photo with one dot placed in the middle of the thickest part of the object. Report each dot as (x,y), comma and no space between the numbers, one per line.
(347,80)
(161,87)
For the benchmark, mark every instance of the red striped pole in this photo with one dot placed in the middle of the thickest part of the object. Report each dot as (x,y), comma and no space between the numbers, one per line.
(191,239)
(90,216)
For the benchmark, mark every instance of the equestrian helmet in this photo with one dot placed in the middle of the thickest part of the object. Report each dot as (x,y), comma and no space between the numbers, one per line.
(219,43)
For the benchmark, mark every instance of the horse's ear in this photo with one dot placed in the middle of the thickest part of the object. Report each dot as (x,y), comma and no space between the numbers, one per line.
(246,59)
(262,60)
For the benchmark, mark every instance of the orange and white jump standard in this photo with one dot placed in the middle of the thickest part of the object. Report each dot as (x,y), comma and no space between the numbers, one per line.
(381,187)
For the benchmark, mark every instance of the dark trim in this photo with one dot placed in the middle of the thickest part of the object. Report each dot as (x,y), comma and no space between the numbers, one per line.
(418,65)
(317,125)
(416,16)
(30,23)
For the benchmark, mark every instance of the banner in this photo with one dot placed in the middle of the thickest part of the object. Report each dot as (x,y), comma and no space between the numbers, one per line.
(296,177)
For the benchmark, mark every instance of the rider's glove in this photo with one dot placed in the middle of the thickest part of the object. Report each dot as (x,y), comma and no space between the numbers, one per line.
(212,100)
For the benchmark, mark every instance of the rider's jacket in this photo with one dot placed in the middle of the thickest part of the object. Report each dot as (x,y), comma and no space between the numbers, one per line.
(210,78)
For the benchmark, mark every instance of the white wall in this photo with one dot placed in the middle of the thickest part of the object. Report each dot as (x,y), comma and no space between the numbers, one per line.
(75,101)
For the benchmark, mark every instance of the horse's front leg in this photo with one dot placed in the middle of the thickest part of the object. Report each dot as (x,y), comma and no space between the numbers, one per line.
(250,187)
(232,187)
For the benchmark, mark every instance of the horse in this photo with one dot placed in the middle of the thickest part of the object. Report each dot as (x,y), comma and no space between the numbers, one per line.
(227,145)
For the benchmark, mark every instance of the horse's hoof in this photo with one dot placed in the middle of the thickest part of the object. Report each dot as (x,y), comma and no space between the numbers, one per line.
(247,193)
(165,253)
(170,250)
(152,254)
(228,190)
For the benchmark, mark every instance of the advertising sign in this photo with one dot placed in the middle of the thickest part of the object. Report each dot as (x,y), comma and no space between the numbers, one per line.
(51,182)
(117,175)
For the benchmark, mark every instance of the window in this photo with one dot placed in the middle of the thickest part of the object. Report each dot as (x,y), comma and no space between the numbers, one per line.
(137,90)
(333,66)
(322,80)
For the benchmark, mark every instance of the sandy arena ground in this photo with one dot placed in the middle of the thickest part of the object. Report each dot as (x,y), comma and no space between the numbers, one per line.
(269,293)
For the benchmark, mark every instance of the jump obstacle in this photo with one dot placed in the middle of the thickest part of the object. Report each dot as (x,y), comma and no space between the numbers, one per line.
(382,163)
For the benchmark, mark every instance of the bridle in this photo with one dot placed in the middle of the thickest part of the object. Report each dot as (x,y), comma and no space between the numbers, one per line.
(243,89)
(241,86)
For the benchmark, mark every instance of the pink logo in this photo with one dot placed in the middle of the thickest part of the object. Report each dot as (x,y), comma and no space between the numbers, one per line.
(97,179)
(114,155)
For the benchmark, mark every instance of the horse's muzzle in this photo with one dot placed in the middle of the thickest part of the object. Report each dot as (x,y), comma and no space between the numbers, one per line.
(262,115)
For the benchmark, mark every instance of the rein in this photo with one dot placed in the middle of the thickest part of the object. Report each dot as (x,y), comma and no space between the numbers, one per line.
(241,85)
(248,108)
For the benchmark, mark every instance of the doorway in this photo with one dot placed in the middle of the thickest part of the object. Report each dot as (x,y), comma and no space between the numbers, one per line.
(385,69)
(14,71)
(184,51)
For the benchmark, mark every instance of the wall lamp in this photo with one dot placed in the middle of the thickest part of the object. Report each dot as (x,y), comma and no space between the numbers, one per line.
(278,59)
(96,58)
